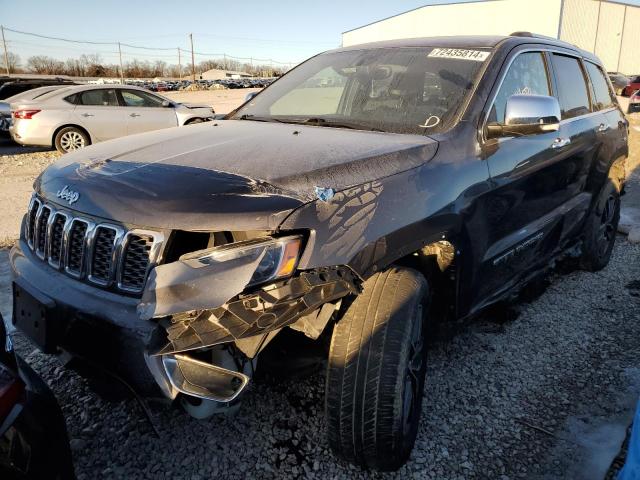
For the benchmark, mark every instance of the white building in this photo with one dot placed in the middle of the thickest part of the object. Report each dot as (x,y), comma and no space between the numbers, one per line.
(609,29)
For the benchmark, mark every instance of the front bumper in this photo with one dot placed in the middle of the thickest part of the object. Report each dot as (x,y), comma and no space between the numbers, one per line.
(96,325)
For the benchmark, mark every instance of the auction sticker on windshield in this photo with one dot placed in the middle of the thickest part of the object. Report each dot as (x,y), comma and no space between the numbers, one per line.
(460,53)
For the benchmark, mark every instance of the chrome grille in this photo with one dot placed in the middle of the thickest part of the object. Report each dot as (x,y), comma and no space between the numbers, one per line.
(42,222)
(100,253)
(135,261)
(55,238)
(75,247)
(102,264)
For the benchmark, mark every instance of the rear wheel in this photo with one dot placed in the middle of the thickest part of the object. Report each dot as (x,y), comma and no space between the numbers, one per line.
(376,371)
(71,138)
(601,228)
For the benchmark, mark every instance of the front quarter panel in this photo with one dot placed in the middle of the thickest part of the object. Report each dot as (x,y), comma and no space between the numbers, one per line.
(371,225)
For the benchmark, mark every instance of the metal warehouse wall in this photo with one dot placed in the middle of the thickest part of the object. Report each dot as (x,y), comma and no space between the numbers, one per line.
(497,17)
(610,30)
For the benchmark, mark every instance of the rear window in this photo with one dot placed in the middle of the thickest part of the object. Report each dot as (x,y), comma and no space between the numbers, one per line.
(603,96)
(572,89)
(102,98)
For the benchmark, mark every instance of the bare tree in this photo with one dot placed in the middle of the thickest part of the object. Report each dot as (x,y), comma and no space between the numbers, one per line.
(14,62)
(45,65)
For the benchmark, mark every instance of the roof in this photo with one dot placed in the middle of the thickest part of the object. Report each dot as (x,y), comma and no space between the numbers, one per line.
(471,41)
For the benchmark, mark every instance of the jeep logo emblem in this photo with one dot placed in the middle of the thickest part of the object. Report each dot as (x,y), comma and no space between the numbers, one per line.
(68,195)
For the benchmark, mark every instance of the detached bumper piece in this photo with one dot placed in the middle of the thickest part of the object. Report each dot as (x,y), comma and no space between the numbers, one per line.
(264,311)
(203,380)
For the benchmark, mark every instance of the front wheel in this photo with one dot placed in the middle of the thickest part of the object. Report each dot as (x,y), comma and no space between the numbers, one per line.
(376,371)
(71,138)
(601,227)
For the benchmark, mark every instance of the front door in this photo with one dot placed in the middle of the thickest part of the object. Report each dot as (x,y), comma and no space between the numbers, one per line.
(538,180)
(146,112)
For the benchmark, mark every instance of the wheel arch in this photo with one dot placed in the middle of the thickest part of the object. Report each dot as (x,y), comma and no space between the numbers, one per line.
(66,125)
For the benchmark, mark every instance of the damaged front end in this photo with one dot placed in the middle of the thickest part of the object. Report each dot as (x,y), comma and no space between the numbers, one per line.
(217,309)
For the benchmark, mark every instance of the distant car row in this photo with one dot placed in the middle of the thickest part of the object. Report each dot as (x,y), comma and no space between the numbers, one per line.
(624,85)
(225,82)
(73,116)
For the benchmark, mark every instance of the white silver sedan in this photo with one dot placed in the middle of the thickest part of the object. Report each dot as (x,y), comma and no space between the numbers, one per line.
(73,117)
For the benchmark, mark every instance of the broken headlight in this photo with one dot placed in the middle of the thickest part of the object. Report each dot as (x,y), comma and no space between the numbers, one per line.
(278,256)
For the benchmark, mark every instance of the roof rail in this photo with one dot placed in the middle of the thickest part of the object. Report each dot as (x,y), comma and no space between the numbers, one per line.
(532,35)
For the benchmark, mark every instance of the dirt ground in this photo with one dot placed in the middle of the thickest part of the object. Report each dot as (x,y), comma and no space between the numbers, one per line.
(222,101)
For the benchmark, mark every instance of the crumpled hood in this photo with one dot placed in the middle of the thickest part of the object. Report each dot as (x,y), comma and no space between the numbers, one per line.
(226,174)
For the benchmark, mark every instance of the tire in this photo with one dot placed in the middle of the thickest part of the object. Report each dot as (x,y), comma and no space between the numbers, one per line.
(376,371)
(71,138)
(193,121)
(601,227)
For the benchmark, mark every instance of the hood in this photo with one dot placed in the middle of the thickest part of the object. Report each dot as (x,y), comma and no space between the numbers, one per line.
(196,105)
(225,175)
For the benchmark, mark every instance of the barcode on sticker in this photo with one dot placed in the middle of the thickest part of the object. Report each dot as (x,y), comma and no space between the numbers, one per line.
(460,53)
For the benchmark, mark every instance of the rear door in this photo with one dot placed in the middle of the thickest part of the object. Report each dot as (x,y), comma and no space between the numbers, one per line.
(98,111)
(145,111)
(538,179)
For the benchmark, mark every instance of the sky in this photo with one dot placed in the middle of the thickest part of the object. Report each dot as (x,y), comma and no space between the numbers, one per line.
(282,30)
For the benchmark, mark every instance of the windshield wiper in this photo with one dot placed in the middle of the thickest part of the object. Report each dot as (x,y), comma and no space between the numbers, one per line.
(253,118)
(323,122)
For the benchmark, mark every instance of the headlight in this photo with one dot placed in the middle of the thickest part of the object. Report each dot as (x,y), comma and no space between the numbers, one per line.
(279,256)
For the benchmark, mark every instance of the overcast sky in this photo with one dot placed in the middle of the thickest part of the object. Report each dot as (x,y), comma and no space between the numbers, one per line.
(283,30)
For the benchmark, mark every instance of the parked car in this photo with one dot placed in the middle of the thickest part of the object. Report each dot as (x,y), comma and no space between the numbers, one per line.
(634,84)
(77,116)
(438,176)
(619,81)
(5,106)
(33,434)
(634,102)
(15,86)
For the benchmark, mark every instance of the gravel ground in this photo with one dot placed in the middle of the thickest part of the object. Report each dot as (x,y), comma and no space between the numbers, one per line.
(531,391)
(542,389)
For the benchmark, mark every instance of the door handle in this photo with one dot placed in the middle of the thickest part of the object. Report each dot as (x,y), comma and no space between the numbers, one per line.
(560,142)
(87,115)
(603,127)
(134,114)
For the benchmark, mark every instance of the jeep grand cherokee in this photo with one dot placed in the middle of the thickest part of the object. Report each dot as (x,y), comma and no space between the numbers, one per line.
(366,186)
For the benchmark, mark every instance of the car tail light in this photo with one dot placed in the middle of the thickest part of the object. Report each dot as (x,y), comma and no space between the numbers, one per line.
(24,114)
(11,391)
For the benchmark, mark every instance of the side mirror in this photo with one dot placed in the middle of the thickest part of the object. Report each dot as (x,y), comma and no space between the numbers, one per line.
(527,115)
(250,96)
(166,103)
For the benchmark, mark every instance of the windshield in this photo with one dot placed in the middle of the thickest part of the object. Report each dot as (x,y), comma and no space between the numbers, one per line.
(399,90)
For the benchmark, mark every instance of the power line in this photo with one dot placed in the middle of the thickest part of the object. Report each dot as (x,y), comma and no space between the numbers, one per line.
(141,47)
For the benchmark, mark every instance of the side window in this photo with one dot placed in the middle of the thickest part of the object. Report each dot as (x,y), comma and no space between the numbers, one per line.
(572,89)
(134,98)
(526,75)
(103,98)
(601,91)
(73,99)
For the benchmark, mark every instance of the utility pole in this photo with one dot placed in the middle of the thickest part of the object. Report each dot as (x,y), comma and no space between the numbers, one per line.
(179,64)
(121,70)
(193,61)
(224,61)
(6,54)
(251,63)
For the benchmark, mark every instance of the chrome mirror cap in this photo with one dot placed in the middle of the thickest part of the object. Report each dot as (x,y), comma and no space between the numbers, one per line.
(528,115)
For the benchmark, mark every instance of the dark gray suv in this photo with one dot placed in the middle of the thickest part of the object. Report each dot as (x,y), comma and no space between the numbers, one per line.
(366,193)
